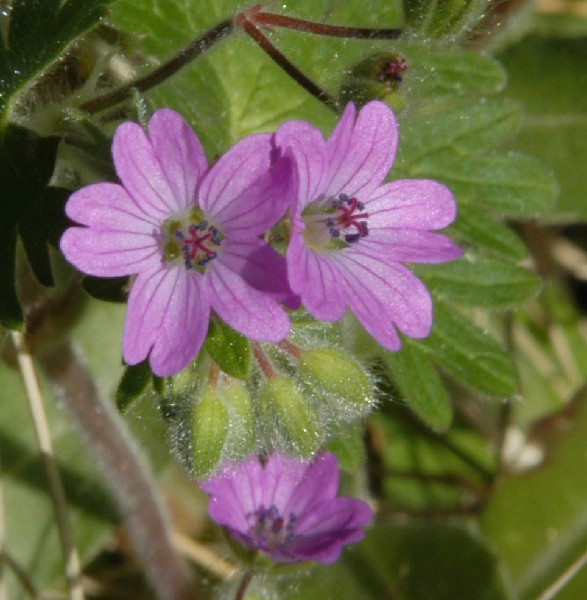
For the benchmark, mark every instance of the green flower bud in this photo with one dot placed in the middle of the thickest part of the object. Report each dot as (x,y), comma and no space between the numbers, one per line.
(209,430)
(292,415)
(242,433)
(337,378)
(378,77)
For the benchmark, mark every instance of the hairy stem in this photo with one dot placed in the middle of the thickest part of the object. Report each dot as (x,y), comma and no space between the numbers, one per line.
(56,490)
(269,19)
(249,27)
(244,584)
(165,71)
(130,481)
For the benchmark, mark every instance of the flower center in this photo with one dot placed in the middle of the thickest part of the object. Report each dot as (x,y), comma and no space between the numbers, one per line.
(334,222)
(194,240)
(270,527)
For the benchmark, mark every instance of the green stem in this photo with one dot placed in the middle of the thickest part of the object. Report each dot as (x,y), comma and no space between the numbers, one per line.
(165,71)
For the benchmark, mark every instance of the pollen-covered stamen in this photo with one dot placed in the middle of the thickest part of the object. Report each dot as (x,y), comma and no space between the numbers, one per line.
(196,242)
(270,527)
(347,215)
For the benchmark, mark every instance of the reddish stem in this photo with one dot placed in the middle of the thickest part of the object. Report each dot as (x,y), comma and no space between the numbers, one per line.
(263,361)
(242,20)
(267,19)
(290,348)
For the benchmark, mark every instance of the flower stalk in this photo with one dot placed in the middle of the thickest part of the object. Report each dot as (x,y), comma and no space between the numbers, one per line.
(130,482)
(56,490)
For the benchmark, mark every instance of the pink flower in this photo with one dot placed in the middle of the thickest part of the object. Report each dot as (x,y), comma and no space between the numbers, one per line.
(287,507)
(351,232)
(190,235)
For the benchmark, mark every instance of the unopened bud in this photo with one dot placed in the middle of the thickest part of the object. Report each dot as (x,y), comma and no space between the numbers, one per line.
(336,377)
(209,430)
(242,433)
(292,415)
(378,77)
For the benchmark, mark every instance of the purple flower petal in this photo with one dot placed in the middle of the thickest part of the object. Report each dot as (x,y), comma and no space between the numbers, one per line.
(180,155)
(167,319)
(262,267)
(315,278)
(385,296)
(287,507)
(309,150)
(251,312)
(248,189)
(360,158)
(413,204)
(319,483)
(120,238)
(408,245)
(141,172)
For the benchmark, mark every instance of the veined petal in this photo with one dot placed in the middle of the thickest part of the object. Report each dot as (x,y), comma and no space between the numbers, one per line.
(318,483)
(410,245)
(120,239)
(141,172)
(251,312)
(411,203)
(180,155)
(109,253)
(249,188)
(309,150)
(167,319)
(385,296)
(360,157)
(262,267)
(314,277)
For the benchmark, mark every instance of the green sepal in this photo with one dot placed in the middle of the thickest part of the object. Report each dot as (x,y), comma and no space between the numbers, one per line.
(111,289)
(337,378)
(290,413)
(133,383)
(230,350)
(210,423)
(242,433)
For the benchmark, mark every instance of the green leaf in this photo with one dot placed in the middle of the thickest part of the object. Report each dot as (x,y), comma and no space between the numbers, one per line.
(26,208)
(546,76)
(469,355)
(230,350)
(112,289)
(466,130)
(414,561)
(499,240)
(420,385)
(512,185)
(38,33)
(537,520)
(134,382)
(480,281)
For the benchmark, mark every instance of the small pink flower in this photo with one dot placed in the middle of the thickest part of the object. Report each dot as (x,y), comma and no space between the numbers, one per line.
(190,235)
(351,232)
(287,507)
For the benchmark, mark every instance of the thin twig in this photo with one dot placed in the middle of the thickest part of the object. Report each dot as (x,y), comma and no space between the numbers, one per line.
(203,557)
(244,584)
(20,574)
(552,590)
(165,71)
(249,27)
(131,482)
(3,591)
(56,490)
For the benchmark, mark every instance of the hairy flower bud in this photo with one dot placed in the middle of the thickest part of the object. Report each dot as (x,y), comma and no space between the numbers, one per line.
(209,431)
(292,416)
(337,378)
(377,77)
